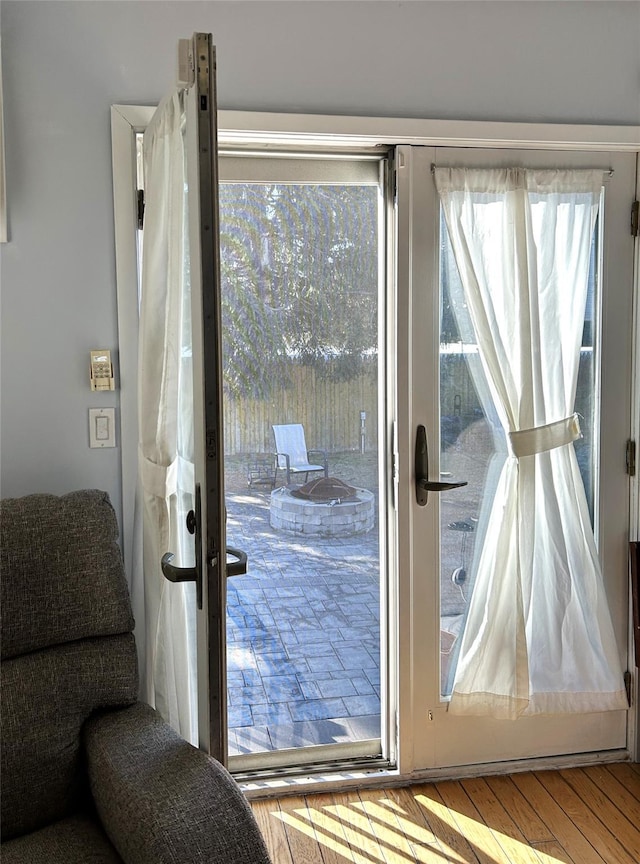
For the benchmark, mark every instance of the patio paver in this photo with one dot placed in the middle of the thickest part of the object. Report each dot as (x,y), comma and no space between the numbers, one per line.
(303,624)
(302,635)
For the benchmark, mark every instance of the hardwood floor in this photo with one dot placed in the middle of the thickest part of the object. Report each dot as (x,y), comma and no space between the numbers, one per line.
(577,816)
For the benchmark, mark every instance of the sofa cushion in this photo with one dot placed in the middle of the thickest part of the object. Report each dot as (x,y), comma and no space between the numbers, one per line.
(77,840)
(57,555)
(46,696)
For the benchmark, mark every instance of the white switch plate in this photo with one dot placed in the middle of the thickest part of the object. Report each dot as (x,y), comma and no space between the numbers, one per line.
(102,427)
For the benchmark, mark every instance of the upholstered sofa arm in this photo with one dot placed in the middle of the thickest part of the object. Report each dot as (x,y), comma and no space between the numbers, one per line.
(162,801)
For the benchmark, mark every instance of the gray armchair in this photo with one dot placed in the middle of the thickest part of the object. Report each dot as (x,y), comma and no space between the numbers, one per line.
(89,774)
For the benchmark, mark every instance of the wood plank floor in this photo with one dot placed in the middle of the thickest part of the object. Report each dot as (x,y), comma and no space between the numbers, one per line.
(575,816)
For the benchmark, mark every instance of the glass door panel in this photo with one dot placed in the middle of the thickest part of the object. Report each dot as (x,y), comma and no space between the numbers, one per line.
(450,396)
(473,444)
(302,252)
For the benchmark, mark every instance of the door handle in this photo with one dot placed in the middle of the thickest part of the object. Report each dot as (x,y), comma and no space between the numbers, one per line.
(194,574)
(177,574)
(188,574)
(423,484)
(238,567)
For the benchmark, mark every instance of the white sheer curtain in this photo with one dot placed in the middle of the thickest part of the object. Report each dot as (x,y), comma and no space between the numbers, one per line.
(165,612)
(538,637)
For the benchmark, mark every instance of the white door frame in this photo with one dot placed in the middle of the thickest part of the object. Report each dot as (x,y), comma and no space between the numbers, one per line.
(264,130)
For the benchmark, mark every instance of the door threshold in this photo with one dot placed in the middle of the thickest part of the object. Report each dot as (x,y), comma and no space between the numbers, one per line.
(329,778)
(323,777)
(303,760)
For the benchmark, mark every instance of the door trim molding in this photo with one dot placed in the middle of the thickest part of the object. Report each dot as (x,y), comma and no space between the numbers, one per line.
(257,127)
(634,491)
(253,127)
(126,122)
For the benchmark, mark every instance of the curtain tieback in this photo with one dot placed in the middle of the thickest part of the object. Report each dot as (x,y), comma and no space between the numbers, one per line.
(162,481)
(528,442)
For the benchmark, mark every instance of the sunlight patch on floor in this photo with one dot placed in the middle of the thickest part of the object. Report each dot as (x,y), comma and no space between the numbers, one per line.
(352,834)
(381,831)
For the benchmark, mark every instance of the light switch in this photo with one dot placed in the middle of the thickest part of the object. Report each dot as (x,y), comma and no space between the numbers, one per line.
(102,428)
(102,432)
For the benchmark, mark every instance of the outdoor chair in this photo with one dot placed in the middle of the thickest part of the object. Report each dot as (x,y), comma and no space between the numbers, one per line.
(292,455)
(89,773)
(261,470)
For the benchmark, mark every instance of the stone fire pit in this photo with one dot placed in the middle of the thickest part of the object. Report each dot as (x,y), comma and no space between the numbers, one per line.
(325,507)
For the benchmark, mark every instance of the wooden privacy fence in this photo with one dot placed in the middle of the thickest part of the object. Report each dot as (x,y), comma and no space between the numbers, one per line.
(328,409)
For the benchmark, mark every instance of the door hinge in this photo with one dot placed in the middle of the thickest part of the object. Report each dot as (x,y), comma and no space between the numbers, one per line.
(635,219)
(393,180)
(627,686)
(631,458)
(140,208)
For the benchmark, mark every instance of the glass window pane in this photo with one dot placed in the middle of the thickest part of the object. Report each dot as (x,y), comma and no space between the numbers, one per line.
(473,445)
(300,292)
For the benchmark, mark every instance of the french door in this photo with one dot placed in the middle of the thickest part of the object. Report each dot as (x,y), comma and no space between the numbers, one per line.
(446,392)
(180,409)
(201,148)
(280,327)
(434,382)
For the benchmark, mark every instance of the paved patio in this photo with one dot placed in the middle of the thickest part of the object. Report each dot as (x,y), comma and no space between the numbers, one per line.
(303,625)
(302,635)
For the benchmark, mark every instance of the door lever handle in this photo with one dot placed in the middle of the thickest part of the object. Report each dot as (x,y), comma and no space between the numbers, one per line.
(177,574)
(435,486)
(194,574)
(238,567)
(423,484)
(188,574)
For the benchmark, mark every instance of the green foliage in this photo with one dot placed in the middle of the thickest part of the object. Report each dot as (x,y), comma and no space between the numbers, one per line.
(299,268)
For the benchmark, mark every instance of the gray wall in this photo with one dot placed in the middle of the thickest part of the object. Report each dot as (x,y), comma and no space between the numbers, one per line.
(65,63)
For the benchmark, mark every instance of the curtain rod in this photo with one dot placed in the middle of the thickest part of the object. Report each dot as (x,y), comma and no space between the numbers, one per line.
(607,172)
